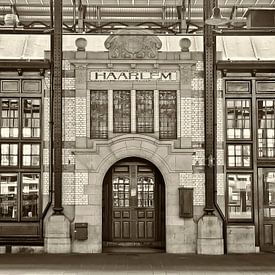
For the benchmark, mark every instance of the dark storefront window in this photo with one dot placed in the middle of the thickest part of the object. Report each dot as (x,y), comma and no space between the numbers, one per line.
(239,195)
(99,114)
(20,149)
(168,114)
(145,111)
(122,111)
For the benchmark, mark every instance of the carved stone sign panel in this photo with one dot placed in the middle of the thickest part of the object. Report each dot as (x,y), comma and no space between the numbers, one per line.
(133,44)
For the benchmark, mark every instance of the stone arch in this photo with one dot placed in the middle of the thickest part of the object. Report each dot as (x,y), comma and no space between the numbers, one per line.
(133,146)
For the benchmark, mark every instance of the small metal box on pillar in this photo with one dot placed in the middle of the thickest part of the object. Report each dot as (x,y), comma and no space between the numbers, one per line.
(186,202)
(81,231)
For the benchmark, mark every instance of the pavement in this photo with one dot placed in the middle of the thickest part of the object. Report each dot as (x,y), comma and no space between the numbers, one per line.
(135,263)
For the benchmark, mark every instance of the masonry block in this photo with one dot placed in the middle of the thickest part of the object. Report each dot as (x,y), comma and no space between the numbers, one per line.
(241,239)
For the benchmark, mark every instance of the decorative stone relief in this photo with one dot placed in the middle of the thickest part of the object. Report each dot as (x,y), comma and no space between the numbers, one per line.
(133,44)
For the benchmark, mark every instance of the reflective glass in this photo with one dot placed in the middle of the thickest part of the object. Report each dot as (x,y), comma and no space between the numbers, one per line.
(239,196)
(30,195)
(8,196)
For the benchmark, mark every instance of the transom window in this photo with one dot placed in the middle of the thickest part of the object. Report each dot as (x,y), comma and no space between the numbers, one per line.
(266,128)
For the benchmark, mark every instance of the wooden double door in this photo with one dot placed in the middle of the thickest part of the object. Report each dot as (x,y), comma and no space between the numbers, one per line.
(133,205)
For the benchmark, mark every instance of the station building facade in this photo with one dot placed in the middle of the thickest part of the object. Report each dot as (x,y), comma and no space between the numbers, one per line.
(133,171)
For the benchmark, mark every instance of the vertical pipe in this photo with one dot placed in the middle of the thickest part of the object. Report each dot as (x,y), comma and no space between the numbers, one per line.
(51,108)
(209,107)
(57,107)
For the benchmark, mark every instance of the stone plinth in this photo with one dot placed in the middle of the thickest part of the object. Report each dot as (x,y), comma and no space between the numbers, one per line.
(241,239)
(210,236)
(57,235)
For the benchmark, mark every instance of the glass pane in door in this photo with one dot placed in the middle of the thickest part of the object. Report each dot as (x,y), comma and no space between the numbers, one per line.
(121,191)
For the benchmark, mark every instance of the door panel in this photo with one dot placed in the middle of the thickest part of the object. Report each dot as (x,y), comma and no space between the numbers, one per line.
(266,180)
(135,206)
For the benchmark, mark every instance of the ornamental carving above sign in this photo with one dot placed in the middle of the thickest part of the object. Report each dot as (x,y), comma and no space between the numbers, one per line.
(133,44)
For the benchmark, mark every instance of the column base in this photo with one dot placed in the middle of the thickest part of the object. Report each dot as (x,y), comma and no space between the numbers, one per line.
(57,235)
(210,236)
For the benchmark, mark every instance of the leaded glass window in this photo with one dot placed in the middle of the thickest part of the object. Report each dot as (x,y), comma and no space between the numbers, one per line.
(9,118)
(266,128)
(239,155)
(31,118)
(121,191)
(145,111)
(238,118)
(8,195)
(122,111)
(168,114)
(99,114)
(239,188)
(145,187)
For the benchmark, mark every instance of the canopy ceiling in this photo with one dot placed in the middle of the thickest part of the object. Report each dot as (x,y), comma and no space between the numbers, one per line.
(102,15)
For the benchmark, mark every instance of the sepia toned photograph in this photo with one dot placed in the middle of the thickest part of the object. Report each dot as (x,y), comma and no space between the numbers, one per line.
(137,137)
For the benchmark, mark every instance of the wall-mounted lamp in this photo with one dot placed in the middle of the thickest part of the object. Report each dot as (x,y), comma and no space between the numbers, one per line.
(210,161)
(217,19)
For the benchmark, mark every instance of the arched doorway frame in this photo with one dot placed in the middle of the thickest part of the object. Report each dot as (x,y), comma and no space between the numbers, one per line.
(148,149)
(145,225)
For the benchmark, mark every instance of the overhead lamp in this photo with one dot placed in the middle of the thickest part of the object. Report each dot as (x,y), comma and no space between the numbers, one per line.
(217,19)
(11,20)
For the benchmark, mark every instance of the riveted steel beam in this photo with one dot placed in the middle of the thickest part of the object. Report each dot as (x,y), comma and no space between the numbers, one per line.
(209,108)
(57,105)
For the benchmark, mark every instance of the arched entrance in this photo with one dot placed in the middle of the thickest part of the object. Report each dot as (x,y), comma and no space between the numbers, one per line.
(133,213)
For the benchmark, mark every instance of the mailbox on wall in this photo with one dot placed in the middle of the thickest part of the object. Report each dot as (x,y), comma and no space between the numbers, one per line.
(81,231)
(186,202)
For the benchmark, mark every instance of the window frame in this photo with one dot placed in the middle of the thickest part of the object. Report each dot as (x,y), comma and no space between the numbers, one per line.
(20,169)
